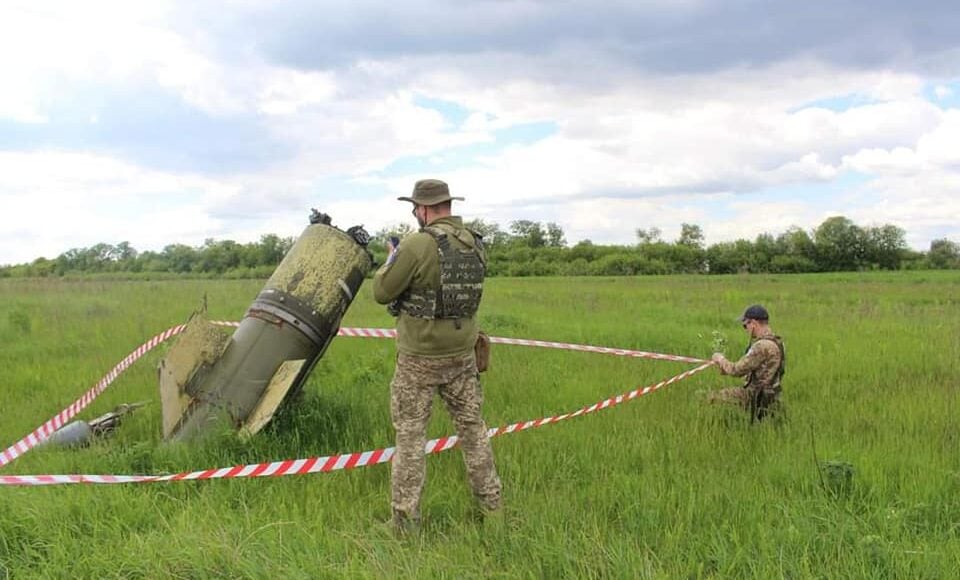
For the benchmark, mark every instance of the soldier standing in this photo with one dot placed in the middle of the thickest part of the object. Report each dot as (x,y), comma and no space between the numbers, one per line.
(762,365)
(433,283)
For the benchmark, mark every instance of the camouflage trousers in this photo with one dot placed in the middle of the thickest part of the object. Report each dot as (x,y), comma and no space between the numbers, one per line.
(416,381)
(760,404)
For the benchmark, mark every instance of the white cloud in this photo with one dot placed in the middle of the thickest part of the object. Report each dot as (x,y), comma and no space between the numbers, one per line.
(289,91)
(941,146)
(635,145)
(607,143)
(604,152)
(900,160)
(762,217)
(54,201)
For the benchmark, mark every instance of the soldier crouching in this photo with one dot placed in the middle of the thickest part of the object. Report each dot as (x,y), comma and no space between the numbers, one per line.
(763,366)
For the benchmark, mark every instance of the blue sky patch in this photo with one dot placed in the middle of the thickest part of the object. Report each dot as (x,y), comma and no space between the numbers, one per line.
(455,158)
(838,103)
(949,97)
(454,113)
(525,133)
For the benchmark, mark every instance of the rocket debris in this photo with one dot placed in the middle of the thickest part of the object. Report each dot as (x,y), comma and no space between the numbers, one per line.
(210,378)
(80,433)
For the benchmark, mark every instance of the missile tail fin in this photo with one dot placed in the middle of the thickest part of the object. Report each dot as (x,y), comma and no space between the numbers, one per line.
(197,348)
(273,395)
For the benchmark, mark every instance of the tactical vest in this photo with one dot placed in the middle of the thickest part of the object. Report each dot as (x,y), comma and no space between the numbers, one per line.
(775,383)
(461,282)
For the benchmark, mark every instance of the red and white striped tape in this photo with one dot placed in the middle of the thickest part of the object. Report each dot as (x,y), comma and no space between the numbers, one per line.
(332,462)
(390,333)
(60,419)
(315,464)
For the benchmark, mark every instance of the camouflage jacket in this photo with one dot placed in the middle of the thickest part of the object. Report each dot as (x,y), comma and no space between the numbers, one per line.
(762,365)
(416,264)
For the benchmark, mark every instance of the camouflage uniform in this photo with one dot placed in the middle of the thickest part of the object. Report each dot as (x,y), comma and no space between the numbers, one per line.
(416,381)
(762,365)
(435,356)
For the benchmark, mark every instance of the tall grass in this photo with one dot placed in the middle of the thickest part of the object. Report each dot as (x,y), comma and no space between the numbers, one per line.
(662,487)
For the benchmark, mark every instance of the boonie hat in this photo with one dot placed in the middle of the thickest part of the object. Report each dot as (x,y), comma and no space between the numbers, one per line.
(755,312)
(430,192)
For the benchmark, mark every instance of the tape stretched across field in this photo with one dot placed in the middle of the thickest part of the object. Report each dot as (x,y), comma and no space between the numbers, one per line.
(313,464)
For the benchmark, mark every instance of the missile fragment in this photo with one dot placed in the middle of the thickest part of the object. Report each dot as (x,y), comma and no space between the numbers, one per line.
(211,377)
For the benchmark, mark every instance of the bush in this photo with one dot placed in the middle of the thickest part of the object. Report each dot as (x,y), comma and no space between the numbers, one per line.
(576,267)
(619,265)
(792,265)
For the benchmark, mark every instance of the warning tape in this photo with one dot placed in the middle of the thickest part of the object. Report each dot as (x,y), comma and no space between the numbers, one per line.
(332,462)
(390,333)
(315,464)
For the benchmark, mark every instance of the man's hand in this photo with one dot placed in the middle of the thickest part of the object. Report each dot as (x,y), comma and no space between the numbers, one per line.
(718,357)
(392,244)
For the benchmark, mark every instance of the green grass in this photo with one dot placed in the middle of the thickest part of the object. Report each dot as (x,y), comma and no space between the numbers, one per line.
(661,487)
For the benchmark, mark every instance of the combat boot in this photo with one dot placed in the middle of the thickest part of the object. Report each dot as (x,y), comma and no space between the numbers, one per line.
(495,521)
(404,525)
(491,521)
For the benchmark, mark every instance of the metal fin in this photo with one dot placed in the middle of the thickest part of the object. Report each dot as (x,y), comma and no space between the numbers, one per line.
(198,346)
(273,395)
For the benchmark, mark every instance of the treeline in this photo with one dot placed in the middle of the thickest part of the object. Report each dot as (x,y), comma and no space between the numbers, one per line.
(529,248)
(838,244)
(226,257)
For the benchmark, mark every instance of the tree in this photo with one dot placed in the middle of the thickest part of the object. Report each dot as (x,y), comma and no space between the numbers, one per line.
(528,233)
(648,236)
(691,235)
(179,257)
(729,257)
(218,256)
(125,252)
(555,237)
(944,254)
(840,244)
(796,242)
(583,250)
(885,246)
(71,260)
(493,236)
(271,249)
(400,230)
(764,249)
(42,267)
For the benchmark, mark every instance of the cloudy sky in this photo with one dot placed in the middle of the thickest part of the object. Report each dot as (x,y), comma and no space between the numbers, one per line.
(172,122)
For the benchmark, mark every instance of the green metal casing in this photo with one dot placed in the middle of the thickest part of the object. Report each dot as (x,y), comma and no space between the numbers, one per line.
(207,382)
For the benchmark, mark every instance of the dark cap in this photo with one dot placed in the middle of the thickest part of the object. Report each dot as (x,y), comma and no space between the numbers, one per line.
(755,312)
(430,192)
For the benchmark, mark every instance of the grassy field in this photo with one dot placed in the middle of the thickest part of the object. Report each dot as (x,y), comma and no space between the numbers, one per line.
(662,487)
